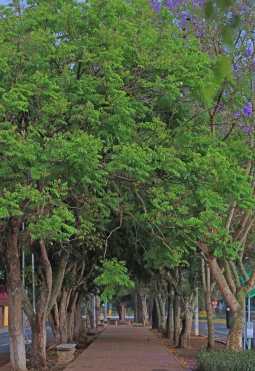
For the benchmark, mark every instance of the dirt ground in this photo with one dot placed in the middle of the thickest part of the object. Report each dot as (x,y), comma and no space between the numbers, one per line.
(4,359)
(187,357)
(51,357)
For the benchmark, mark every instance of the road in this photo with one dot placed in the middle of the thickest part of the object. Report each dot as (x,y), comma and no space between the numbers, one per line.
(4,347)
(4,343)
(221,332)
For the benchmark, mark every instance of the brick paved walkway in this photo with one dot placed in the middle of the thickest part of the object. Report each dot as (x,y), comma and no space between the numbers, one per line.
(126,349)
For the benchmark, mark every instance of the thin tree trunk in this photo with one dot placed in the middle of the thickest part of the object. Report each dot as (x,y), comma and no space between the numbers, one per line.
(177,319)
(154,315)
(210,323)
(207,287)
(139,309)
(97,310)
(55,325)
(159,313)
(39,358)
(184,341)
(79,331)
(170,317)
(15,297)
(162,307)
(71,316)
(136,307)
(236,304)
(63,316)
(143,316)
(234,341)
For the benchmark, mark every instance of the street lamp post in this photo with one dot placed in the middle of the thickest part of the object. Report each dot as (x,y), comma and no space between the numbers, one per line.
(196,314)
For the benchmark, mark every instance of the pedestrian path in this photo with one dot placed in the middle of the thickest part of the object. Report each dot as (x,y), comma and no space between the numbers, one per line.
(126,348)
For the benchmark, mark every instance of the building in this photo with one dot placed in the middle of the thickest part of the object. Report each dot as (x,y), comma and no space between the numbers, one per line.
(3,307)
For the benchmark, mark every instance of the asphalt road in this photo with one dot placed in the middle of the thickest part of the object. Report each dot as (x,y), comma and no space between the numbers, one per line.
(221,331)
(4,347)
(4,343)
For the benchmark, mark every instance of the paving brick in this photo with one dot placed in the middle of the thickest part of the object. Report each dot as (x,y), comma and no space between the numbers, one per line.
(126,349)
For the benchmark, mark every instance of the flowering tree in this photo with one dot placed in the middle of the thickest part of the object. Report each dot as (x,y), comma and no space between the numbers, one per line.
(226,33)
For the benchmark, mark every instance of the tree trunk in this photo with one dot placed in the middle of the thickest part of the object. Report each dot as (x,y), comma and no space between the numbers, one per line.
(210,324)
(168,331)
(55,325)
(207,288)
(98,310)
(236,303)
(170,317)
(142,315)
(71,316)
(136,307)
(139,309)
(162,308)
(234,341)
(15,297)
(184,341)
(177,319)
(79,330)
(154,316)
(90,311)
(122,311)
(159,313)
(38,323)
(63,316)
(39,358)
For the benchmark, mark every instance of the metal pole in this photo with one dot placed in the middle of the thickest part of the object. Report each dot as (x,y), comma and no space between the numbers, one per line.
(249,320)
(23,261)
(33,280)
(23,268)
(94,311)
(105,311)
(245,327)
(196,314)
(23,284)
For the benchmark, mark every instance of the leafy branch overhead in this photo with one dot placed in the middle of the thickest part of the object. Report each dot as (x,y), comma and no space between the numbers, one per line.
(113,278)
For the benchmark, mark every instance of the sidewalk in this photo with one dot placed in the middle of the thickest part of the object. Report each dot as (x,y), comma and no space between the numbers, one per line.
(126,349)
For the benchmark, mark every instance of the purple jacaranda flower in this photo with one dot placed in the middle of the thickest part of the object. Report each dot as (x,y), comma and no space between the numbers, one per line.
(199,27)
(249,50)
(244,8)
(198,2)
(156,5)
(185,17)
(235,67)
(200,32)
(247,109)
(173,4)
(247,129)
(237,115)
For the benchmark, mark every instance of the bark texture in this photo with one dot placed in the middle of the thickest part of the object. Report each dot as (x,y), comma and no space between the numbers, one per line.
(14,284)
